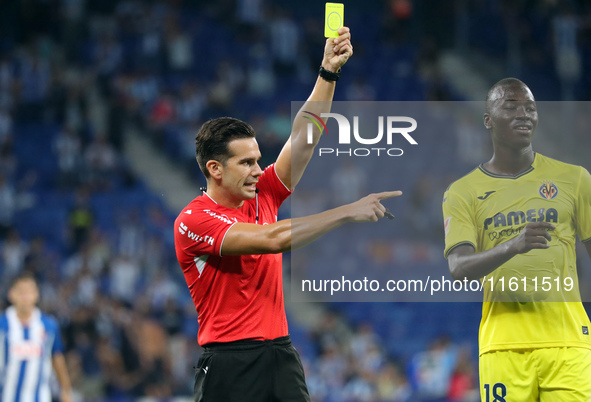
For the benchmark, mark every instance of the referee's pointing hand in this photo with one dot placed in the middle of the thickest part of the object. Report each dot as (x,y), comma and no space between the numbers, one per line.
(369,209)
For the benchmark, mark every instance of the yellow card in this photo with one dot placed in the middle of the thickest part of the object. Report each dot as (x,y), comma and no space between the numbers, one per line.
(333,19)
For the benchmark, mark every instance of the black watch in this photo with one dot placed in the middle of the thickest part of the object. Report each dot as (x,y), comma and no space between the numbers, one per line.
(329,75)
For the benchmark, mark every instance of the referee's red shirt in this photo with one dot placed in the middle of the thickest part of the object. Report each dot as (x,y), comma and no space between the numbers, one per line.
(236,297)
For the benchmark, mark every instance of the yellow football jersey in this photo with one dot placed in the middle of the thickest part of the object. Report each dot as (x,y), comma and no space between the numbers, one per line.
(531,301)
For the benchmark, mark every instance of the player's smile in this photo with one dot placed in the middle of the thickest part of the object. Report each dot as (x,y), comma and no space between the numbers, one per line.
(523,128)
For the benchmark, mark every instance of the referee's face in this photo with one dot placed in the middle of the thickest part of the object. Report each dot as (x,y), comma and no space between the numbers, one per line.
(241,171)
(513,117)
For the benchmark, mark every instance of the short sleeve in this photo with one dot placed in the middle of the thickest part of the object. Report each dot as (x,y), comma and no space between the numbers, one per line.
(583,206)
(3,341)
(52,325)
(202,232)
(458,224)
(271,186)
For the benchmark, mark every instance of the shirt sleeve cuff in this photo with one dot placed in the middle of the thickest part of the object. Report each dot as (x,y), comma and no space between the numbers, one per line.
(462,243)
(280,181)
(223,238)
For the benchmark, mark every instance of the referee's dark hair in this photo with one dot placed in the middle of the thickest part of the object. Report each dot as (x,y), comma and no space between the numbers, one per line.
(211,141)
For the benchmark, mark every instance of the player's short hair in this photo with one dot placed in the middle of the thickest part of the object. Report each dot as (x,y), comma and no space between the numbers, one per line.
(211,141)
(23,276)
(505,82)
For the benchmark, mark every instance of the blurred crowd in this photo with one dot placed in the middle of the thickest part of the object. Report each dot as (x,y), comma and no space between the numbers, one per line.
(352,364)
(92,70)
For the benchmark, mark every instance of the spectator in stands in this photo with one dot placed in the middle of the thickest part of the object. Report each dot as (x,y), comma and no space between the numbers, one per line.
(567,54)
(108,56)
(101,162)
(80,221)
(123,278)
(347,182)
(14,252)
(463,385)
(67,146)
(7,205)
(229,77)
(179,46)
(361,91)
(5,125)
(392,384)
(191,103)
(8,84)
(432,370)
(285,44)
(34,84)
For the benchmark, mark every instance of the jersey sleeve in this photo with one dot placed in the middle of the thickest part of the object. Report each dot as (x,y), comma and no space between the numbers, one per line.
(583,206)
(201,233)
(52,326)
(458,225)
(3,342)
(271,187)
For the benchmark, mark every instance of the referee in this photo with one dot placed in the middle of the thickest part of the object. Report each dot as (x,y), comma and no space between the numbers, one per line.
(229,243)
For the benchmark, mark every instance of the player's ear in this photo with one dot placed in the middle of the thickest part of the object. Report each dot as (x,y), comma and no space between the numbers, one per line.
(487,121)
(37,295)
(215,169)
(10,296)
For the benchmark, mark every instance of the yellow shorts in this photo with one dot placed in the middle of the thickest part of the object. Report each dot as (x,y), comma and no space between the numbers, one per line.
(545,375)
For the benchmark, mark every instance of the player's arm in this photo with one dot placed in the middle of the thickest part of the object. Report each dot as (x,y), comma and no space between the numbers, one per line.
(296,152)
(464,262)
(289,234)
(583,209)
(59,365)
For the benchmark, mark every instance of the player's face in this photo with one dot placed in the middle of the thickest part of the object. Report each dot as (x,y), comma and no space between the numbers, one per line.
(24,295)
(512,117)
(241,171)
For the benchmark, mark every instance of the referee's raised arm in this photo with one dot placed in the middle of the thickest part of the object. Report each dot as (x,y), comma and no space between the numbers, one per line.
(296,152)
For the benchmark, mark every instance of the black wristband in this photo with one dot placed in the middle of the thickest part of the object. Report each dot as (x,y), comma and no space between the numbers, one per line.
(329,75)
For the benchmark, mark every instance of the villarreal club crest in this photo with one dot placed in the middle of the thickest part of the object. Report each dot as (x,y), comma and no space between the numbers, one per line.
(548,190)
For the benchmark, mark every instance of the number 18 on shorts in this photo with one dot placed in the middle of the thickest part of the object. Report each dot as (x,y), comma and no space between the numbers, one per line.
(560,374)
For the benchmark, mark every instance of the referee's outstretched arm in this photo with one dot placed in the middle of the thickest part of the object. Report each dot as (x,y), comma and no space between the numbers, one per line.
(288,234)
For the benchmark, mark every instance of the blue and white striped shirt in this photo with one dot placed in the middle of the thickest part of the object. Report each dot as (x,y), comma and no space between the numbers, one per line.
(26,352)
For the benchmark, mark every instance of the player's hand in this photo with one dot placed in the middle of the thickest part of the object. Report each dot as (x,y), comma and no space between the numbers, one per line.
(533,236)
(337,50)
(369,209)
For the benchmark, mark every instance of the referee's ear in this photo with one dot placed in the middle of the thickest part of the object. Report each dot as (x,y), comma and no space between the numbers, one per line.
(215,169)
